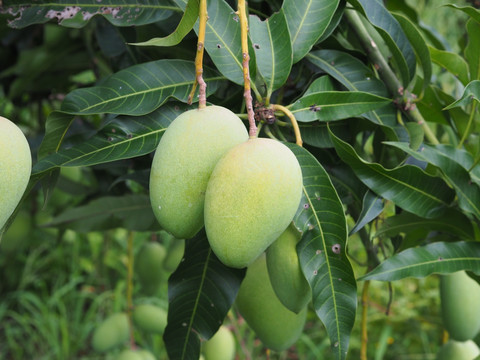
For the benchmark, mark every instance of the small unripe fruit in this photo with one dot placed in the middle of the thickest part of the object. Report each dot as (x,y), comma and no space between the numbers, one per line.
(460,303)
(252,196)
(276,326)
(149,266)
(456,350)
(221,346)
(285,273)
(150,318)
(111,333)
(183,162)
(146,355)
(175,253)
(129,355)
(15,168)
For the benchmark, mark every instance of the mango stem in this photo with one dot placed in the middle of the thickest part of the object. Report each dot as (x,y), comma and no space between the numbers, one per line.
(289,114)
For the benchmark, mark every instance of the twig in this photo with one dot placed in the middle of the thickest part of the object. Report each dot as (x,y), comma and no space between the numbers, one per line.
(242,15)
(202,85)
(289,114)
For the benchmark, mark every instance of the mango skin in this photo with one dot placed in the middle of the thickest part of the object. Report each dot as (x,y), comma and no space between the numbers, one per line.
(15,168)
(285,273)
(252,196)
(150,318)
(460,305)
(276,326)
(220,346)
(129,355)
(111,333)
(186,155)
(455,350)
(175,252)
(149,266)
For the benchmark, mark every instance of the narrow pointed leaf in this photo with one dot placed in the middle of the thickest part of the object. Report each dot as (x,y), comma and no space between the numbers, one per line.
(440,257)
(372,207)
(139,89)
(77,14)
(322,252)
(408,186)
(273,49)
(452,62)
(307,21)
(185,25)
(473,49)
(200,293)
(469,10)
(122,138)
(470,93)
(335,105)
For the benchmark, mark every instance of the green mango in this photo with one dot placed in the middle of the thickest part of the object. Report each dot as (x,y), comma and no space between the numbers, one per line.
(146,355)
(129,355)
(252,196)
(15,168)
(186,155)
(149,266)
(276,326)
(285,273)
(460,304)
(150,318)
(18,235)
(220,346)
(456,350)
(111,333)
(175,253)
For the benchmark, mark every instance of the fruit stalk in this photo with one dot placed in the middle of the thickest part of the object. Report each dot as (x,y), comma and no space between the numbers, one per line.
(202,85)
(289,114)
(246,71)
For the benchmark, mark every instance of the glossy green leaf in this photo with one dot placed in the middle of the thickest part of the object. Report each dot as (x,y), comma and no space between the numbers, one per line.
(372,207)
(334,22)
(473,49)
(335,105)
(307,21)
(471,92)
(122,138)
(185,25)
(132,212)
(56,127)
(323,83)
(452,62)
(407,186)
(316,133)
(355,76)
(322,252)
(469,10)
(77,14)
(139,89)
(272,49)
(419,46)
(440,257)
(468,192)
(393,35)
(200,293)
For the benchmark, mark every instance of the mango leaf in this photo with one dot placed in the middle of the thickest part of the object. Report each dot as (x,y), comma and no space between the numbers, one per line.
(355,76)
(272,49)
(56,127)
(452,62)
(419,46)
(473,49)
(468,193)
(132,212)
(307,21)
(322,252)
(316,133)
(469,10)
(453,222)
(323,83)
(393,35)
(183,28)
(335,105)
(471,92)
(77,14)
(200,293)
(372,206)
(408,186)
(122,138)
(439,257)
(139,89)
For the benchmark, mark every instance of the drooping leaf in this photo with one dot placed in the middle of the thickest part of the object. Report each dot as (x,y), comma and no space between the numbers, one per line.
(452,62)
(470,93)
(200,293)
(56,127)
(393,35)
(322,252)
(185,25)
(469,10)
(139,89)
(132,212)
(77,14)
(272,48)
(372,207)
(307,21)
(408,186)
(316,133)
(122,138)
(335,105)
(440,257)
